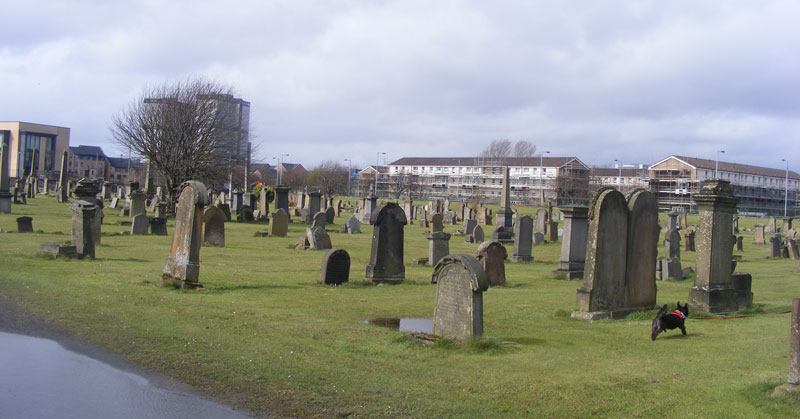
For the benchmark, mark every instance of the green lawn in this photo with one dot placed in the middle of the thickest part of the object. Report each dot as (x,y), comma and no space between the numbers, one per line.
(265,335)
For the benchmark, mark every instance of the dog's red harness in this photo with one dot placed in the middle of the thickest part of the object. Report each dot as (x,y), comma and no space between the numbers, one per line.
(679,314)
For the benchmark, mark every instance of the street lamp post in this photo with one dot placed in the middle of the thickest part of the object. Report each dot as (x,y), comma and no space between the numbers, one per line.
(377,172)
(349,171)
(280,160)
(541,177)
(716,164)
(786,190)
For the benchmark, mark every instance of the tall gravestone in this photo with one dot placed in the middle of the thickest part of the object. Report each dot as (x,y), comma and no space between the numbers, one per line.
(541,221)
(758,234)
(214,226)
(86,190)
(335,267)
(5,194)
(613,285)
(137,203)
(314,206)
(279,223)
(573,242)
(504,233)
(83,215)
(386,257)
(492,255)
(438,246)
(713,291)
(460,282)
(282,199)
(523,239)
(182,268)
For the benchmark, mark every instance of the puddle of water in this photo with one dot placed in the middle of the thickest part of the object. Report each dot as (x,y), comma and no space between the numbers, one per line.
(40,378)
(403,324)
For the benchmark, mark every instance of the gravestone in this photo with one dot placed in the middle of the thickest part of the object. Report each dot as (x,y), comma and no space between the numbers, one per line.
(114,202)
(739,243)
(538,238)
(279,223)
(713,291)
(158,226)
(182,268)
(688,240)
(282,200)
(735,224)
(386,257)
(330,215)
(523,239)
(775,243)
(335,267)
(671,269)
(787,224)
(83,215)
(139,224)
(573,242)
(237,202)
(408,209)
(673,220)
(477,235)
(469,225)
(5,194)
(370,206)
(460,282)
(353,225)
(791,244)
(438,246)
(62,190)
(642,249)
(319,219)
(492,255)
(214,226)
(551,232)
(263,204)
(224,208)
(540,225)
(758,234)
(161,210)
(137,203)
(436,223)
(673,244)
(24,224)
(318,238)
(793,382)
(246,214)
(770,228)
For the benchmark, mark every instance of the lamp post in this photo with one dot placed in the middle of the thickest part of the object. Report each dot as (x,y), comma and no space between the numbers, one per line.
(716,164)
(280,160)
(377,172)
(541,177)
(786,190)
(349,171)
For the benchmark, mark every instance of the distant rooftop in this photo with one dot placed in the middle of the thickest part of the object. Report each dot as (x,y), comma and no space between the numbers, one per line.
(87,150)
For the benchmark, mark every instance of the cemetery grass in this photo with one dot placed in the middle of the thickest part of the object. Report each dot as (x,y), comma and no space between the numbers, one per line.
(263,334)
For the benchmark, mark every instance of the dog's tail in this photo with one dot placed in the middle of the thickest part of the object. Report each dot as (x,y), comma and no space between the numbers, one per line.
(657,322)
(662,312)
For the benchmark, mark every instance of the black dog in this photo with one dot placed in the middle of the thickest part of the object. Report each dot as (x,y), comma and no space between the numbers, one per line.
(664,321)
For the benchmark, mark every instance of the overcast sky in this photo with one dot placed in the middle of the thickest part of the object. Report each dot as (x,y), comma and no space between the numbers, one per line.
(332,80)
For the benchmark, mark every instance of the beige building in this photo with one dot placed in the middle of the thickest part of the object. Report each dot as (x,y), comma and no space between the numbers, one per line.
(23,137)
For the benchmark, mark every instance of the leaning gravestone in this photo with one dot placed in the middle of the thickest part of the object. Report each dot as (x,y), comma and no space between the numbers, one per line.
(214,226)
(386,257)
(335,267)
(318,238)
(460,282)
(24,224)
(469,225)
(182,269)
(139,224)
(492,255)
(279,223)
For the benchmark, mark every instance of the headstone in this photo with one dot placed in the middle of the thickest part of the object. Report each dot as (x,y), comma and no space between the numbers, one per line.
(57,250)
(673,244)
(688,240)
(787,224)
(551,232)
(408,209)
(735,224)
(83,215)
(319,219)
(263,204)
(330,215)
(672,269)
(758,234)
(386,257)
(438,246)
(282,199)
(673,220)
(335,267)
(573,242)
(314,206)
(337,208)
(775,243)
(113,204)
(460,282)
(469,225)
(182,268)
(713,291)
(279,223)
(62,190)
(237,202)
(739,243)
(540,225)
(538,238)
(161,210)
(158,226)
(318,238)
(214,226)
(793,382)
(492,255)
(436,223)
(505,214)
(477,235)
(791,244)
(523,239)
(137,203)
(770,228)
(246,214)
(642,249)
(24,224)
(139,224)
(5,191)
(353,225)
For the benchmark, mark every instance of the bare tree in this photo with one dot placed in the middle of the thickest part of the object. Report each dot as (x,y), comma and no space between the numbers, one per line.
(524,149)
(183,133)
(330,177)
(402,183)
(497,148)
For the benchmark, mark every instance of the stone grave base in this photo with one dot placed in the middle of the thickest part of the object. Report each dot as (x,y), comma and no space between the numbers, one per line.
(714,299)
(395,280)
(56,250)
(169,282)
(516,259)
(609,314)
(419,261)
(568,275)
(785,389)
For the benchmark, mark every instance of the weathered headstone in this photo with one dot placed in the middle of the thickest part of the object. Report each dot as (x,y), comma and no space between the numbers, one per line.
(335,267)
(113,204)
(492,255)
(735,224)
(477,235)
(739,243)
(5,193)
(139,224)
(279,223)
(246,214)
(573,242)
(713,291)
(770,227)
(436,223)
(182,268)
(787,224)
(551,232)
(137,203)
(775,243)
(673,220)
(793,382)
(386,257)
(673,244)
(523,239)
(24,224)
(83,215)
(469,225)
(540,224)
(330,215)
(282,199)
(318,238)
(538,238)
(438,246)
(62,190)
(353,225)
(158,226)
(794,252)
(214,226)
(642,249)
(319,219)
(688,240)
(460,282)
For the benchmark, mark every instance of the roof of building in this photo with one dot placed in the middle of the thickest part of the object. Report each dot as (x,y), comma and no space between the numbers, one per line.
(87,150)
(291,166)
(613,171)
(733,167)
(121,162)
(479,161)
